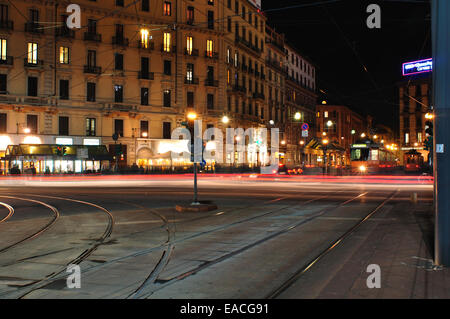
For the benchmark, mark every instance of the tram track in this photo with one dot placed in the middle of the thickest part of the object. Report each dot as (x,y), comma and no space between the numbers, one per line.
(10,212)
(307,266)
(85,254)
(41,230)
(233,253)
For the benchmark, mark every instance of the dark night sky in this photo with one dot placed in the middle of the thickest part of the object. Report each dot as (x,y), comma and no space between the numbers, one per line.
(405,35)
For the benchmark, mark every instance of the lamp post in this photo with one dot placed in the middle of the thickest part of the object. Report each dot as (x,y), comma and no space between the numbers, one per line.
(325,160)
(191,117)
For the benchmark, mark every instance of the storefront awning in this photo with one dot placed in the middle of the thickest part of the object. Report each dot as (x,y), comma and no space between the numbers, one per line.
(94,152)
(316,144)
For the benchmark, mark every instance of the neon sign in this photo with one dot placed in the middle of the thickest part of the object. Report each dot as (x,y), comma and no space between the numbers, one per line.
(417,67)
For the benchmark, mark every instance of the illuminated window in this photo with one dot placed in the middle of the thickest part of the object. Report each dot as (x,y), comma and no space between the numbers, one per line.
(2,49)
(236,56)
(419,137)
(209,48)
(166,42)
(64,55)
(228,77)
(145,37)
(228,55)
(325,114)
(190,15)
(167,8)
(406,138)
(189,45)
(32,53)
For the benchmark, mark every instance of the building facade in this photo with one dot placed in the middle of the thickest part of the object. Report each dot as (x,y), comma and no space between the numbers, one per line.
(136,71)
(414,104)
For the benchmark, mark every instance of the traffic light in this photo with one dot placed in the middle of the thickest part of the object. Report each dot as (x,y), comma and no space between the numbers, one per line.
(64,150)
(429,131)
(429,128)
(59,151)
(118,149)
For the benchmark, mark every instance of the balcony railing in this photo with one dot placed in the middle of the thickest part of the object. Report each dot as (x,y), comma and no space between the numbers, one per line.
(9,60)
(172,49)
(192,52)
(191,80)
(92,69)
(33,64)
(6,25)
(150,46)
(96,37)
(238,88)
(257,95)
(211,55)
(248,44)
(146,75)
(33,27)
(211,82)
(120,40)
(65,32)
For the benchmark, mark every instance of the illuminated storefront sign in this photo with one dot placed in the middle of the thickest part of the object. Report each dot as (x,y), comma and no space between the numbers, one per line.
(359,146)
(91,141)
(256,3)
(64,141)
(417,67)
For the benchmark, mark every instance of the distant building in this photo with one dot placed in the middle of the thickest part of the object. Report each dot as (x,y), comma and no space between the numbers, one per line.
(340,126)
(414,103)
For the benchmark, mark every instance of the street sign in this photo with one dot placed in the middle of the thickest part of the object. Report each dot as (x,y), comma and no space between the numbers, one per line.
(305,126)
(304,133)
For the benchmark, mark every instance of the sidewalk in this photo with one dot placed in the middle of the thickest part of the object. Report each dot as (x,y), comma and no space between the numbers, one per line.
(400,240)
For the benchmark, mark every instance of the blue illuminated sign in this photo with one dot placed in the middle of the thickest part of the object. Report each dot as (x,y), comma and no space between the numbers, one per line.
(417,67)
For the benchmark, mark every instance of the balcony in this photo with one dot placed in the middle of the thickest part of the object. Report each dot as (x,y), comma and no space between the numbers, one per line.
(168,49)
(7,25)
(120,40)
(150,45)
(33,27)
(211,82)
(88,36)
(65,32)
(211,55)
(247,44)
(34,64)
(8,61)
(191,80)
(259,96)
(146,75)
(92,69)
(192,52)
(239,89)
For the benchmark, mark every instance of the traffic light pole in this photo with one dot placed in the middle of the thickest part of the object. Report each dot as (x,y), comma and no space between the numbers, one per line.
(195,185)
(441,147)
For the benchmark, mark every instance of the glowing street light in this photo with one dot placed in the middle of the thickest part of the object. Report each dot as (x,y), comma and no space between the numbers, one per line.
(271,122)
(324,133)
(429,116)
(329,123)
(225,120)
(192,116)
(325,141)
(353,132)
(298,116)
(283,142)
(26,130)
(144,134)
(375,137)
(363,135)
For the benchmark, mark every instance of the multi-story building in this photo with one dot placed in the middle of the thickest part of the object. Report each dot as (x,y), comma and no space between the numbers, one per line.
(300,100)
(340,126)
(133,70)
(414,104)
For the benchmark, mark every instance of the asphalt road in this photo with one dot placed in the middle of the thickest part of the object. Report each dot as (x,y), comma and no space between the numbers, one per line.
(127,238)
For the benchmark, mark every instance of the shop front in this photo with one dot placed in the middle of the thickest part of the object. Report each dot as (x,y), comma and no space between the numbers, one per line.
(55,159)
(162,154)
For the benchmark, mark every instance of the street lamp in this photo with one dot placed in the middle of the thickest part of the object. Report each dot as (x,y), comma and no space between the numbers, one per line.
(298,116)
(429,116)
(271,122)
(192,116)
(363,135)
(329,123)
(26,130)
(325,160)
(225,119)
